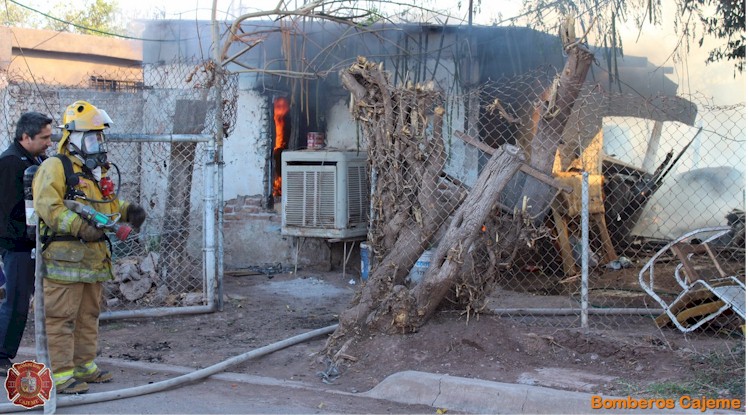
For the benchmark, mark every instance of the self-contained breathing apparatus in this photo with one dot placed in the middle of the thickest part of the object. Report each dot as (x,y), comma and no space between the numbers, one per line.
(83,131)
(88,213)
(28,200)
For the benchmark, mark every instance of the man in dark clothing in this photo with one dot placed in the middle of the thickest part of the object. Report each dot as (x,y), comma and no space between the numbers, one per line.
(32,139)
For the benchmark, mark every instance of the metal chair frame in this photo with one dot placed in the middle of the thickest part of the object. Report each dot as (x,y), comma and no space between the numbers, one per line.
(684,277)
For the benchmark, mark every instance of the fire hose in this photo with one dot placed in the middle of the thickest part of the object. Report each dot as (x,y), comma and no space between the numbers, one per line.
(73,400)
(122,231)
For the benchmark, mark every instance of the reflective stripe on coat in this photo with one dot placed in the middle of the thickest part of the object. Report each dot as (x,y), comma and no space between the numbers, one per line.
(71,261)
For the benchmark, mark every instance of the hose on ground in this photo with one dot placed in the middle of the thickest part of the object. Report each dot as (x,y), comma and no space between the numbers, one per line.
(73,400)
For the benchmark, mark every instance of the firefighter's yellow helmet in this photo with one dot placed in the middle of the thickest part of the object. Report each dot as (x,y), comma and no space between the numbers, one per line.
(83,116)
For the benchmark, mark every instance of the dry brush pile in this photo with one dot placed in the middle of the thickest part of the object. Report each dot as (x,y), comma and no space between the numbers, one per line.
(417,205)
(414,202)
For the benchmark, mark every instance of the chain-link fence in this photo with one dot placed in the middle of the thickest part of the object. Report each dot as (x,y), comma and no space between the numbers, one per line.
(162,147)
(657,167)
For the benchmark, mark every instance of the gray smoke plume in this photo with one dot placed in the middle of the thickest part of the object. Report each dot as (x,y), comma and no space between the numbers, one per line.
(696,199)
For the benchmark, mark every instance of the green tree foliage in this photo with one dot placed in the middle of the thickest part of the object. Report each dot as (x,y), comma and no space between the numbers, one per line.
(91,17)
(96,17)
(727,23)
(14,15)
(723,20)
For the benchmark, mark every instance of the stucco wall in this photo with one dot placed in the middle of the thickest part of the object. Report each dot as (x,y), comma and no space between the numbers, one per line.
(246,149)
(341,128)
(252,236)
(66,58)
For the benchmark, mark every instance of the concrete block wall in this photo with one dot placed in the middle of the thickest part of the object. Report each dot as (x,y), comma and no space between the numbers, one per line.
(246,208)
(252,237)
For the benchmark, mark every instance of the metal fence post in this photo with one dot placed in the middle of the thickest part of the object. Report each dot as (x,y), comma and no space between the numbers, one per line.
(585,246)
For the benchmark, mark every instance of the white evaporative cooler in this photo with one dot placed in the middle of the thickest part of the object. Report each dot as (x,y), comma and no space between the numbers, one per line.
(325,194)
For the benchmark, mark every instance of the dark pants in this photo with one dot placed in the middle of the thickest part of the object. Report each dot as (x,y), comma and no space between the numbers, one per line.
(14,311)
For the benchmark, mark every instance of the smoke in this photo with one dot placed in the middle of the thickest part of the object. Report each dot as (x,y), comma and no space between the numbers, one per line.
(696,199)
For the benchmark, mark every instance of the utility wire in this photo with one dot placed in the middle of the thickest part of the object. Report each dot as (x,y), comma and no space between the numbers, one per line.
(85,27)
(25,61)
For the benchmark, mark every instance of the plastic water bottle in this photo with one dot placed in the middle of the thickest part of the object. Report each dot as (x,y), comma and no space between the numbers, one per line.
(365,264)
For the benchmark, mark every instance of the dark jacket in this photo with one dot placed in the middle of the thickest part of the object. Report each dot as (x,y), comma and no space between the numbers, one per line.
(13,162)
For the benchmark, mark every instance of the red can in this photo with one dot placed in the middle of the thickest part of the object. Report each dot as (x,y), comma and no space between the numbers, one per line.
(315,141)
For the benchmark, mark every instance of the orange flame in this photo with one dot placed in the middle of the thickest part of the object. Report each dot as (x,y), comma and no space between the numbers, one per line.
(280,110)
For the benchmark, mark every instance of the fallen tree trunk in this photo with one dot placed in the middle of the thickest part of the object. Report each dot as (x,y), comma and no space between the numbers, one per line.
(398,309)
(409,205)
(550,117)
(412,241)
(462,232)
(385,304)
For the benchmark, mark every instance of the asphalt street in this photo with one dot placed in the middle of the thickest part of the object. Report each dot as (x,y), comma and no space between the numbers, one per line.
(408,392)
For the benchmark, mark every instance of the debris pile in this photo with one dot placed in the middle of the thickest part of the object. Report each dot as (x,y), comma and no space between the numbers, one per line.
(137,280)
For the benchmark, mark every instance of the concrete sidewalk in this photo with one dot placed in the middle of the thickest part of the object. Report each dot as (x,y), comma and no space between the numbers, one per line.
(455,394)
(481,396)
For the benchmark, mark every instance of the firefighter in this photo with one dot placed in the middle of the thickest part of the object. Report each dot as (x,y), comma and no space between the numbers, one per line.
(75,252)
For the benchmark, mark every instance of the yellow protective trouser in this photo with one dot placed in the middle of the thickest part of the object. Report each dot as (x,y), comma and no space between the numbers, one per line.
(72,322)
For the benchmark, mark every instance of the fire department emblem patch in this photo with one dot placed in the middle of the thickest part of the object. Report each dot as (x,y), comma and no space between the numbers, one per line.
(28,384)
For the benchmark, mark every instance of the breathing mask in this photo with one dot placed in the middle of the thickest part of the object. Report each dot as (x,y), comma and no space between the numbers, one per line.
(91,147)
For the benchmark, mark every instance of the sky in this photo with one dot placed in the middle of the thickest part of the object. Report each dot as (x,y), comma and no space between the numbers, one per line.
(654,42)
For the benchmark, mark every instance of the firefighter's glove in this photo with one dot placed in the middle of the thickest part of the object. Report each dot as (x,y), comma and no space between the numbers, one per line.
(90,233)
(135,215)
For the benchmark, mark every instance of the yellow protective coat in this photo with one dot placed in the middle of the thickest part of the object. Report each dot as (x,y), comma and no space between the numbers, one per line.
(71,261)
(74,269)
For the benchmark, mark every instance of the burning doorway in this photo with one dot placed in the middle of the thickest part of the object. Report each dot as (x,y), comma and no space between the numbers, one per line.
(281,108)
(294,115)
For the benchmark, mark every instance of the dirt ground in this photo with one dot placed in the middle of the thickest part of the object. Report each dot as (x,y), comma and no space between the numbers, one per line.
(635,358)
